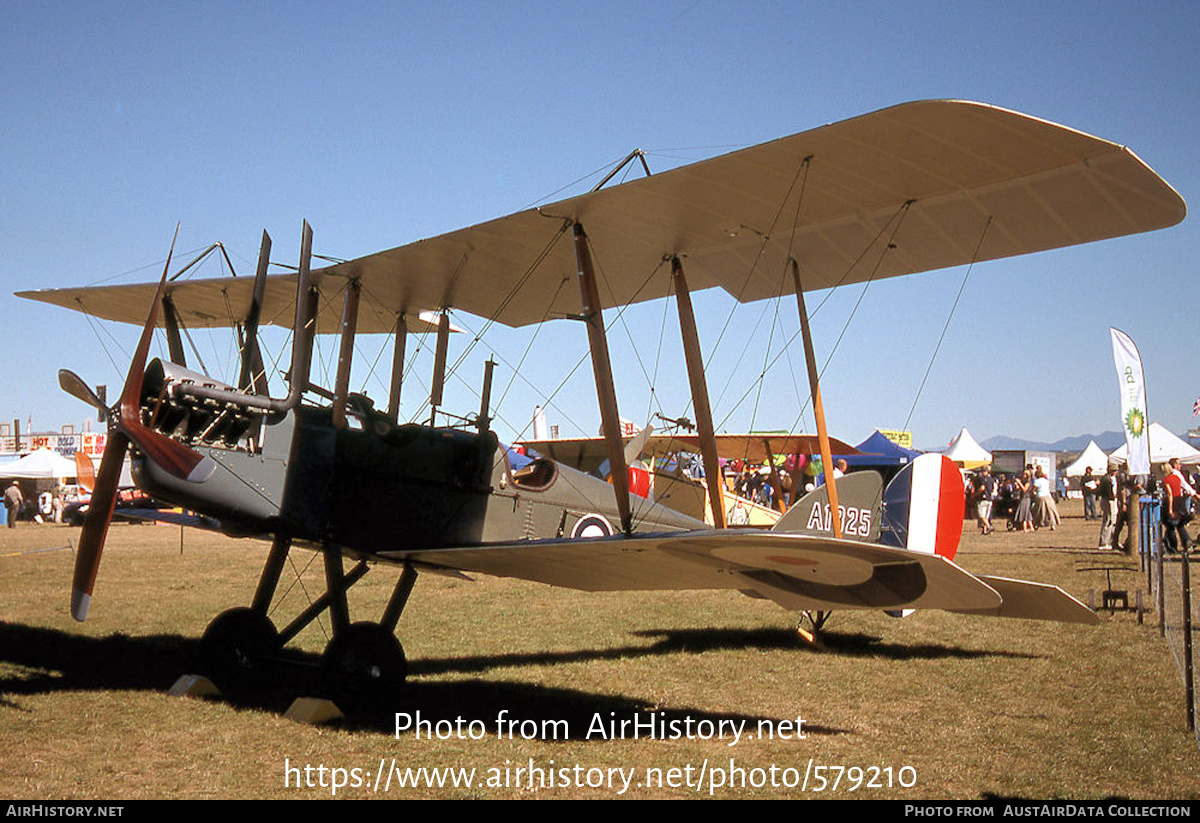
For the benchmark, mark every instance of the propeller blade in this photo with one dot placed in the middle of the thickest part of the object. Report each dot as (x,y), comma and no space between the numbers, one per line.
(131,395)
(95,525)
(176,458)
(73,385)
(173,456)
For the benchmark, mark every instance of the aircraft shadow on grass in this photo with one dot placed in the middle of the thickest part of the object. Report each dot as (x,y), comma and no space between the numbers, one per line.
(36,660)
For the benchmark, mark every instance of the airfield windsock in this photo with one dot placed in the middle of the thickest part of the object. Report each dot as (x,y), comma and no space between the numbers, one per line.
(1133,401)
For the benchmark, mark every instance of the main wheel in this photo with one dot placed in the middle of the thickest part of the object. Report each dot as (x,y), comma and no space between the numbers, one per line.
(364,661)
(236,648)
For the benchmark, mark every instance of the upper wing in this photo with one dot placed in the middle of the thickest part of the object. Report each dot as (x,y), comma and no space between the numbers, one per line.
(756,448)
(218,303)
(796,571)
(946,167)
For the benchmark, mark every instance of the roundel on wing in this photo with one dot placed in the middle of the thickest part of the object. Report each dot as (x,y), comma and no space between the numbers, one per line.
(592,525)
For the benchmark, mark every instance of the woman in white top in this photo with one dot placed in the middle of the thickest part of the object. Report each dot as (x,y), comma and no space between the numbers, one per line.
(1045,510)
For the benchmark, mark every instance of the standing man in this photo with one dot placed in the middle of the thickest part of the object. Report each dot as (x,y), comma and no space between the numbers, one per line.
(1128,490)
(839,471)
(1106,490)
(13,500)
(1090,485)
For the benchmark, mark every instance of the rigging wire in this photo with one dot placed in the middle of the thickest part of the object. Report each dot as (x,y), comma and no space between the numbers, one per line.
(780,290)
(362,388)
(837,285)
(902,212)
(801,174)
(763,240)
(898,218)
(516,370)
(946,325)
(299,580)
(652,400)
(512,293)
(575,182)
(96,331)
(621,314)
(155,266)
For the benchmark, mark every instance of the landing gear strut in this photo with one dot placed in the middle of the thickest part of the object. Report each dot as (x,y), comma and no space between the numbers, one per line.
(363,659)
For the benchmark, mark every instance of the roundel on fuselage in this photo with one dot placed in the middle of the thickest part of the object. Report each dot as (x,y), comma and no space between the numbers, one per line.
(592,525)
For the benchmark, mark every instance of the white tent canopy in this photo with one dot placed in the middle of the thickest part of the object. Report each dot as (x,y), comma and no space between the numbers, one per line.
(40,463)
(1093,456)
(963,449)
(1163,446)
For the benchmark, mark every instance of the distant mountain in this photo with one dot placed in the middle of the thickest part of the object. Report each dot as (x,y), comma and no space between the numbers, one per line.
(1108,441)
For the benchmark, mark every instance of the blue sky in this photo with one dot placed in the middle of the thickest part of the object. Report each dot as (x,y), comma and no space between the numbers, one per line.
(385,123)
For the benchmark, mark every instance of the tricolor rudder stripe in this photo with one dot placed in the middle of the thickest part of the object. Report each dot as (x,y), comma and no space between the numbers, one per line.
(923,507)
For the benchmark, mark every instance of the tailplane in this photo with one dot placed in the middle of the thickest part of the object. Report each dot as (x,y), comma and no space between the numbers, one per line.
(920,510)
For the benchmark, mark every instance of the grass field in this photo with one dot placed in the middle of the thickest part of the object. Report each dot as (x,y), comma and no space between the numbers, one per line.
(935,706)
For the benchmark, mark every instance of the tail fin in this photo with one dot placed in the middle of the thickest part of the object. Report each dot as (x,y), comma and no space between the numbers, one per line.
(923,507)
(85,472)
(859,498)
(641,481)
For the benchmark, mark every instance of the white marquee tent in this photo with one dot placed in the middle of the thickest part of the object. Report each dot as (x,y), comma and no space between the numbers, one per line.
(1163,446)
(40,463)
(963,449)
(1092,456)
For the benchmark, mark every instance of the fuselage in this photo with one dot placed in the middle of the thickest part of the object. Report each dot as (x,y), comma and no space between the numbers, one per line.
(372,486)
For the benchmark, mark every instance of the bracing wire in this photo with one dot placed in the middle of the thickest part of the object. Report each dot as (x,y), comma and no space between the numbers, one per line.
(946,325)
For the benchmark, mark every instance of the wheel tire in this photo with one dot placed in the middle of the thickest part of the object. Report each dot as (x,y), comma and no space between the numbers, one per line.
(236,649)
(364,662)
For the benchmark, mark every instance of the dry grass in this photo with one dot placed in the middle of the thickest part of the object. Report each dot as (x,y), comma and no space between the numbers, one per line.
(976,707)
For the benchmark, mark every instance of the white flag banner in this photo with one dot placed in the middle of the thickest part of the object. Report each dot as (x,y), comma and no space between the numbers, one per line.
(1133,401)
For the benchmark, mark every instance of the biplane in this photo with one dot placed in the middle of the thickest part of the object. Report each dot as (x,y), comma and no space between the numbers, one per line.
(656,460)
(912,188)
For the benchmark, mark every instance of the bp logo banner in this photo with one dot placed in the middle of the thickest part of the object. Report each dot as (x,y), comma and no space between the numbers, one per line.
(1133,401)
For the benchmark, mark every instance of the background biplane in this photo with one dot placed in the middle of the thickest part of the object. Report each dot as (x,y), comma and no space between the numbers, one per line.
(661,453)
(908,189)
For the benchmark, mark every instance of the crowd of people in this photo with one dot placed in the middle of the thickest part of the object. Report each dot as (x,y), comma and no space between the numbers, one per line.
(47,506)
(1027,502)
(753,481)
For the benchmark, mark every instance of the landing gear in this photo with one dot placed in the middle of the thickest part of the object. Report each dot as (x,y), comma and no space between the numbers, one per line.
(236,649)
(815,620)
(364,660)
